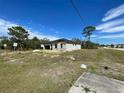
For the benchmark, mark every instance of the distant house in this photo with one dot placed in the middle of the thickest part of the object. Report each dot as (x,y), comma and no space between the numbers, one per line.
(61,44)
(119,46)
(3,38)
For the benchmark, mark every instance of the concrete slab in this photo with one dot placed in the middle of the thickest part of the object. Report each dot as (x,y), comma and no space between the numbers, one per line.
(92,83)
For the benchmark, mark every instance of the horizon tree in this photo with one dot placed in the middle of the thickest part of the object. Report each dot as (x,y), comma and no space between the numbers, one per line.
(35,43)
(87,32)
(44,40)
(76,40)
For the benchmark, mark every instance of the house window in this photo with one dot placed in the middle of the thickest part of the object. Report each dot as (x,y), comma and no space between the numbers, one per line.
(55,45)
(61,45)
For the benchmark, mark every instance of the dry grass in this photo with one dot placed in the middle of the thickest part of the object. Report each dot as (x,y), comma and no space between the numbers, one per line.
(29,72)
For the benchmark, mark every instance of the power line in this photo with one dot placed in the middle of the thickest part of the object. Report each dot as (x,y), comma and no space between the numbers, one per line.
(76,9)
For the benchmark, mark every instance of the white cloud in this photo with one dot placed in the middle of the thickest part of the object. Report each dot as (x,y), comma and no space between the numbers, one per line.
(93,36)
(112,26)
(114,12)
(114,29)
(4,25)
(113,36)
(39,35)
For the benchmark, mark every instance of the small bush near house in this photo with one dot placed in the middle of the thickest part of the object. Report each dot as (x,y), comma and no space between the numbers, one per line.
(90,45)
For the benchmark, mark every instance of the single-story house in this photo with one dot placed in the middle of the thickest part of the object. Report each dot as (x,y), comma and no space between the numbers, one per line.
(61,44)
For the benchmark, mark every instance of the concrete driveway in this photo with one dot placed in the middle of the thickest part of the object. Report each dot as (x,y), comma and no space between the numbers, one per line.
(92,83)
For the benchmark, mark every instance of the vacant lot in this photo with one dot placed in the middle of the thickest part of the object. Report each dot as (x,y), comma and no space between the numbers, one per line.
(42,72)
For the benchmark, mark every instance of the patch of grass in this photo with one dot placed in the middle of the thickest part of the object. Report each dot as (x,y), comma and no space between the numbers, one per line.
(29,72)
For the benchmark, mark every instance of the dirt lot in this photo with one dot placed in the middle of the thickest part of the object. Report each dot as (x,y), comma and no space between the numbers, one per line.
(55,72)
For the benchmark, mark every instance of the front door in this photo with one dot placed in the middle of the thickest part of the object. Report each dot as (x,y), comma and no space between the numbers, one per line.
(55,45)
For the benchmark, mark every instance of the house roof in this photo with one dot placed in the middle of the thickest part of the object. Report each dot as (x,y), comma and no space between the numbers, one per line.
(64,40)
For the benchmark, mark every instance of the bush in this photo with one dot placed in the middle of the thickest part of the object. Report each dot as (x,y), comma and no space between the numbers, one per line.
(89,45)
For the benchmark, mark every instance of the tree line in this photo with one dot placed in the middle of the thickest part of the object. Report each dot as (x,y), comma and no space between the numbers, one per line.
(20,36)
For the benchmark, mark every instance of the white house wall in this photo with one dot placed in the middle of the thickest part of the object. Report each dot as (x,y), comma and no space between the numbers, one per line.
(67,47)
(58,46)
(70,47)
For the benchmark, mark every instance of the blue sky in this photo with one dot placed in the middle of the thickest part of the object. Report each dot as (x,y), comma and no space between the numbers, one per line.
(58,19)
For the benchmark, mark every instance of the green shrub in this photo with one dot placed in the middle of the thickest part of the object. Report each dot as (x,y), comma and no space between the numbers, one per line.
(89,45)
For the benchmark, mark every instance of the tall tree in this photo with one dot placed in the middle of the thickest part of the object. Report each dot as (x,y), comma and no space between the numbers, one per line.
(87,32)
(19,35)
